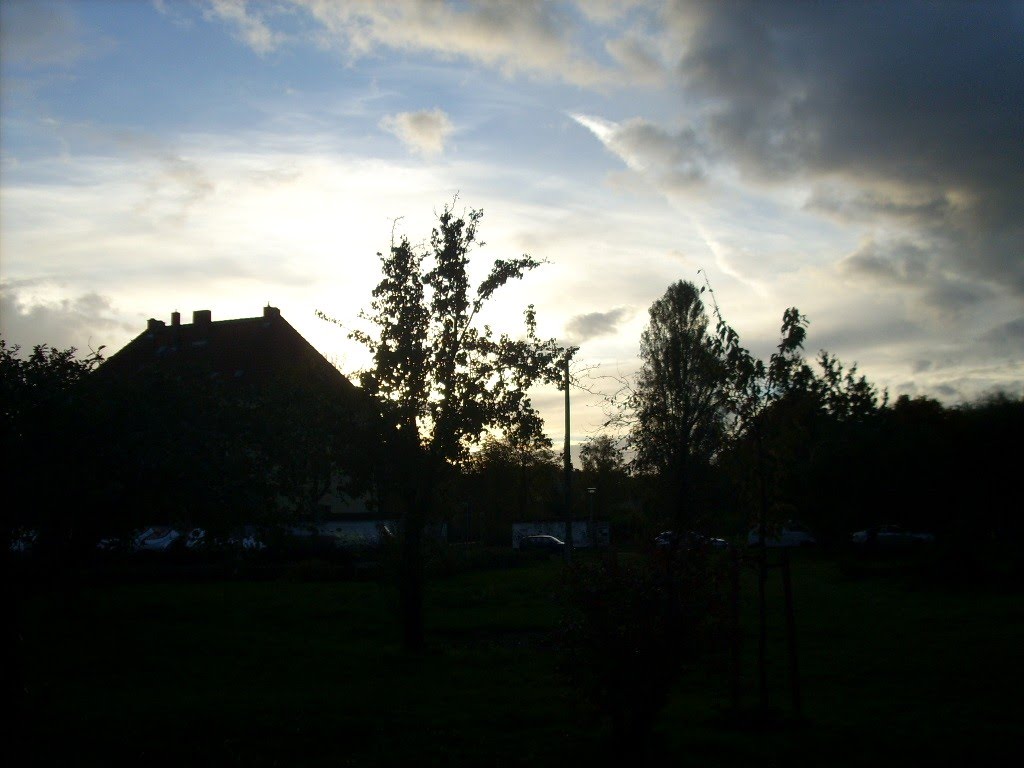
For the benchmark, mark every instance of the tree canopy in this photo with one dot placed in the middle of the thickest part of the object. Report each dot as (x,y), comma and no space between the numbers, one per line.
(678,402)
(440,379)
(437,375)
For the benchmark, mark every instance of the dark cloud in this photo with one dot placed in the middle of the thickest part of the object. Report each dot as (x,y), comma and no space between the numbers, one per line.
(869,204)
(953,298)
(1007,338)
(900,262)
(88,320)
(908,266)
(583,327)
(917,106)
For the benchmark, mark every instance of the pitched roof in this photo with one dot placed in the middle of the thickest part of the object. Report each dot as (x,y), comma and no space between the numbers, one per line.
(250,350)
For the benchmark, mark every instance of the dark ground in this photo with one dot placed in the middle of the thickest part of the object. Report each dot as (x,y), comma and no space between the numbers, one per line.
(301,671)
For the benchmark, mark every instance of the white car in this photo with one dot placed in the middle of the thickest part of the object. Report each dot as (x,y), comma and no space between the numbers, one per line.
(156,539)
(791,534)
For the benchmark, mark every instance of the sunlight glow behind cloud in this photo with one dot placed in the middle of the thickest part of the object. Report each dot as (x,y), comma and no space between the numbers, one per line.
(629,143)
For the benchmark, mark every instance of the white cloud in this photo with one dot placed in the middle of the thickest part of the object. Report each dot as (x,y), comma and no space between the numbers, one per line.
(250,27)
(670,161)
(529,37)
(423,132)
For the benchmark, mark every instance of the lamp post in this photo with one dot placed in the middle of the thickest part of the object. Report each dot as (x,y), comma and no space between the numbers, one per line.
(567,459)
(591,493)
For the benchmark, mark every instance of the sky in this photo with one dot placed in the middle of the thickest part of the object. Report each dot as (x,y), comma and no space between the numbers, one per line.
(861,161)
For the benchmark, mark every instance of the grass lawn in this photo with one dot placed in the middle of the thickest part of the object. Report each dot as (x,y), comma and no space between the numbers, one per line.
(309,673)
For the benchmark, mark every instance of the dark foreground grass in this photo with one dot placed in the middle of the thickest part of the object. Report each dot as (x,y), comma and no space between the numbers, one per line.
(297,673)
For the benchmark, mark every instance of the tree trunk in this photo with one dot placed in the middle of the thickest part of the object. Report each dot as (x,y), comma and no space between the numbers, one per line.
(410,579)
(411,576)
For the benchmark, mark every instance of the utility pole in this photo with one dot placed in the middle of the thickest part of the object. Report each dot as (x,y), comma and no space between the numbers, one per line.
(591,533)
(568,472)
(762,583)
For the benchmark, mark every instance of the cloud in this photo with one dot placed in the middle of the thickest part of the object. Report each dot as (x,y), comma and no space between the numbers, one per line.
(914,268)
(913,109)
(172,183)
(173,186)
(672,160)
(899,263)
(61,323)
(867,203)
(529,37)
(423,132)
(250,27)
(583,327)
(1007,338)
(637,57)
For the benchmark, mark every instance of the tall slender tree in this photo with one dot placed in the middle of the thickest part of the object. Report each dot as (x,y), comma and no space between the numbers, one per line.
(678,401)
(441,381)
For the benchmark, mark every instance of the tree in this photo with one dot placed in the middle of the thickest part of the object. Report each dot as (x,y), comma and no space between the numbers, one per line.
(440,380)
(601,456)
(604,469)
(509,479)
(41,412)
(678,401)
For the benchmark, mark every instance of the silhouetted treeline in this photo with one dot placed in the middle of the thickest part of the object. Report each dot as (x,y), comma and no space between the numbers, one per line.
(87,456)
(949,470)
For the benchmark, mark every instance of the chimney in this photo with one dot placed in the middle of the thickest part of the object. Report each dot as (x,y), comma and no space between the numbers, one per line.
(270,312)
(175,319)
(153,324)
(202,317)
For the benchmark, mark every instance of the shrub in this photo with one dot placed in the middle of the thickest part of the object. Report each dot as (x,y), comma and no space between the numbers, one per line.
(629,629)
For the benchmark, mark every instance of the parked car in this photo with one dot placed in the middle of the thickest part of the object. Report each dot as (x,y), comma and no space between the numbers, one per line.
(200,540)
(541,542)
(890,536)
(791,534)
(156,539)
(688,540)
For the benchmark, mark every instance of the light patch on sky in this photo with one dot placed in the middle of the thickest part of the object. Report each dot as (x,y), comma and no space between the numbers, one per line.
(424,132)
(227,154)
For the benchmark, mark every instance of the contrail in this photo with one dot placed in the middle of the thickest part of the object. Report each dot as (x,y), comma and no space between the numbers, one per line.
(718,252)
(605,131)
